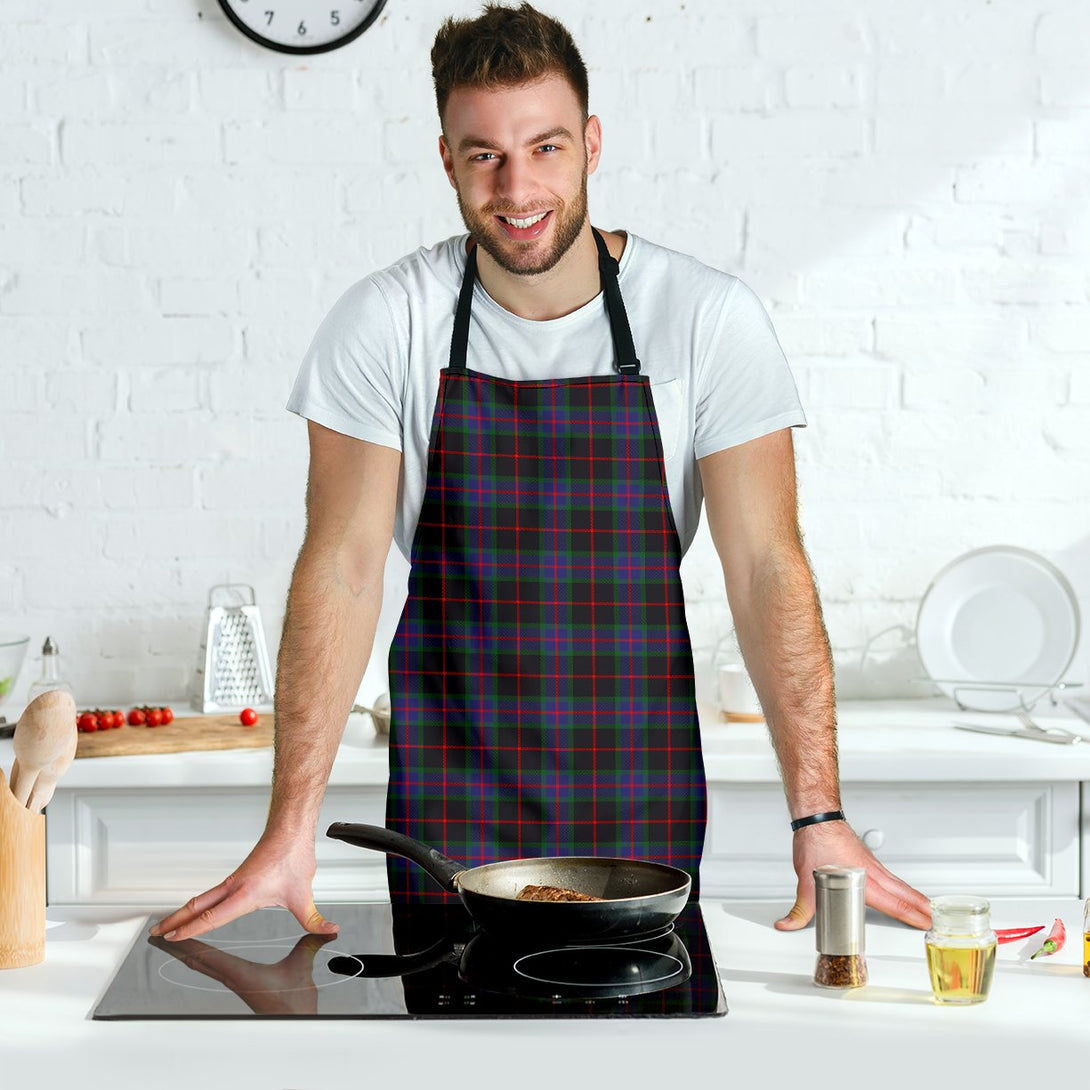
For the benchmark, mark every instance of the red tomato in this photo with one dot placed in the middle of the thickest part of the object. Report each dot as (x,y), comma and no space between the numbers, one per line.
(137,717)
(168,715)
(155,717)
(105,720)
(247,717)
(87,722)
(119,718)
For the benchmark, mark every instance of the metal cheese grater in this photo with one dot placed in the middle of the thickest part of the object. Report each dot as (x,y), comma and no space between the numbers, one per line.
(233,666)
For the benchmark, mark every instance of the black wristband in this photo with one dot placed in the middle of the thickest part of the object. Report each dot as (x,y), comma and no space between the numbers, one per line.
(816,819)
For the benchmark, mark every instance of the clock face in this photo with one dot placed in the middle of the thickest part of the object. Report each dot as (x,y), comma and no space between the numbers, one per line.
(302,26)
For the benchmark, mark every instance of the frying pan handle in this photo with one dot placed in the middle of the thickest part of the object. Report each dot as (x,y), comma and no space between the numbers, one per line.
(443,869)
(387,965)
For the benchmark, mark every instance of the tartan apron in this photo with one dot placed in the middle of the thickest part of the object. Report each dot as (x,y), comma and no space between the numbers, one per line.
(541,674)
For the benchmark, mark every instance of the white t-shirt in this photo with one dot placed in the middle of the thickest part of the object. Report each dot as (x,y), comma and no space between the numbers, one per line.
(718,374)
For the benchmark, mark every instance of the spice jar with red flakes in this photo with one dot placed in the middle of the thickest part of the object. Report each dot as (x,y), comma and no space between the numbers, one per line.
(839,907)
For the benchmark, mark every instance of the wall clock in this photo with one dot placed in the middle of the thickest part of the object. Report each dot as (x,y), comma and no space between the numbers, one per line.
(302,26)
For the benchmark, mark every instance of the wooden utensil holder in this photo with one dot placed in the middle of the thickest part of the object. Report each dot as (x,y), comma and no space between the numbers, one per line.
(22,883)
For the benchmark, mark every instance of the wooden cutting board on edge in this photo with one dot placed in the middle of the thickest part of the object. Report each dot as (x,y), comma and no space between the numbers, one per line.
(186,732)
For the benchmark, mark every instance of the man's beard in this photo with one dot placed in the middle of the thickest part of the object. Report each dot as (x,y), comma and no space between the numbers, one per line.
(522,260)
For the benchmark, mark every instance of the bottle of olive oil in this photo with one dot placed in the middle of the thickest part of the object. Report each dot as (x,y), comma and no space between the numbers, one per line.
(960,949)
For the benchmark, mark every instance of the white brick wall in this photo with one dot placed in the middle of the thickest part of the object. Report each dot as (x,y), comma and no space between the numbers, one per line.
(904,187)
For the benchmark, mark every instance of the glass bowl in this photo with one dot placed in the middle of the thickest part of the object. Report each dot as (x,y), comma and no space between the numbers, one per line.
(12,652)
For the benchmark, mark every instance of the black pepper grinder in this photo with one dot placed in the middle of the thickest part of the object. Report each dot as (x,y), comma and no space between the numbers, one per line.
(840,903)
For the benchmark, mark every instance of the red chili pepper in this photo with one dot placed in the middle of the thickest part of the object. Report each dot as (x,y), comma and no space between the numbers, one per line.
(1055,940)
(1013,934)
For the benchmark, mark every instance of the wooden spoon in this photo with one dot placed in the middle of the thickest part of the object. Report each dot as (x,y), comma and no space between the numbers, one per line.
(45,743)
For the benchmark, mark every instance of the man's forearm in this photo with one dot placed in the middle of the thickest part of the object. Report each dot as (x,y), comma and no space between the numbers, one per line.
(329,629)
(777,617)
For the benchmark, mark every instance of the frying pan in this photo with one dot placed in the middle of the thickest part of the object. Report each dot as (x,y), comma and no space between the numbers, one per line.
(638,896)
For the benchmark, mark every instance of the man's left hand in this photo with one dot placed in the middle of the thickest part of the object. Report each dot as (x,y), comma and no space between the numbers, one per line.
(834,842)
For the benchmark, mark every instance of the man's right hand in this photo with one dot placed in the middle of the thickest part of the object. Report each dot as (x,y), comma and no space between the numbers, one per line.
(329,628)
(274,873)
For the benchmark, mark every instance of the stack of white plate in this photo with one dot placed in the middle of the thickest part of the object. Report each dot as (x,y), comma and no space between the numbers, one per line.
(997,628)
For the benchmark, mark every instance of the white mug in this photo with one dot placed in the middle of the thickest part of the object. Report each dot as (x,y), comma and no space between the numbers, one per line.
(738,701)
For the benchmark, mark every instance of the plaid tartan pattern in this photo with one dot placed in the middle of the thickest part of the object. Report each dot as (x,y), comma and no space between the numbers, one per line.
(541,676)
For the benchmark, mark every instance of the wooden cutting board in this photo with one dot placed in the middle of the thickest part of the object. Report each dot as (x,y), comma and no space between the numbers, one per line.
(187,732)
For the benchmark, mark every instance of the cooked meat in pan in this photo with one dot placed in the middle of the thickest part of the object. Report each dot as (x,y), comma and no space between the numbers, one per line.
(552,893)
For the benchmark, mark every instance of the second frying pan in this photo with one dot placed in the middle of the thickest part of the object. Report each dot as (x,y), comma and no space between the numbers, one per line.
(638,896)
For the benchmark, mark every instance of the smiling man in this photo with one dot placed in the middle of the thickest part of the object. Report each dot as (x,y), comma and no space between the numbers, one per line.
(535,411)
(553,177)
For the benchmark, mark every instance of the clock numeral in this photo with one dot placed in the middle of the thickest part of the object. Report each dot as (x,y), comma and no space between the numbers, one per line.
(270,22)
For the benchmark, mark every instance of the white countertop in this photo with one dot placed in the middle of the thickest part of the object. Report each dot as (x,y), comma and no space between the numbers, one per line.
(904,740)
(880,741)
(780,1029)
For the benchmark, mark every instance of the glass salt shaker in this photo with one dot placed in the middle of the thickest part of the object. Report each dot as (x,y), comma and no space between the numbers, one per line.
(961,949)
(839,907)
(51,672)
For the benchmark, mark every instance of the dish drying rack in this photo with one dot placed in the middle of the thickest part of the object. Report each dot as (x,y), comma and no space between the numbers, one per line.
(1027,726)
(962,688)
(1023,694)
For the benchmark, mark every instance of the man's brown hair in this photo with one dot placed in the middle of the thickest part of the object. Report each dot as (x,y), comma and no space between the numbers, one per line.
(504,47)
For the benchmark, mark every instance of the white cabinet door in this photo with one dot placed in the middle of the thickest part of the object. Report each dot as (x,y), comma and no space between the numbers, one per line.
(995,839)
(160,847)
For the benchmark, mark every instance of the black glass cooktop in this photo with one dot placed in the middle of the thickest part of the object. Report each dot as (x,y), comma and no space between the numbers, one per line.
(425,961)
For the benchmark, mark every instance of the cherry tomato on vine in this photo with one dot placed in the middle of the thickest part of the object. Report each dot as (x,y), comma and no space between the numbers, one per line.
(137,717)
(87,722)
(154,717)
(168,716)
(247,717)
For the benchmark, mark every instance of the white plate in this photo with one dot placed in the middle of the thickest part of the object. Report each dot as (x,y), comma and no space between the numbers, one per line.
(997,627)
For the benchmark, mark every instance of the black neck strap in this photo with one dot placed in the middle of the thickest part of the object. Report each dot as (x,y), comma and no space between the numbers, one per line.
(624,351)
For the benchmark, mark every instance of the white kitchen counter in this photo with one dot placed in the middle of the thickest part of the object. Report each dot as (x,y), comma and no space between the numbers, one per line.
(880,742)
(888,741)
(154,829)
(780,1032)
